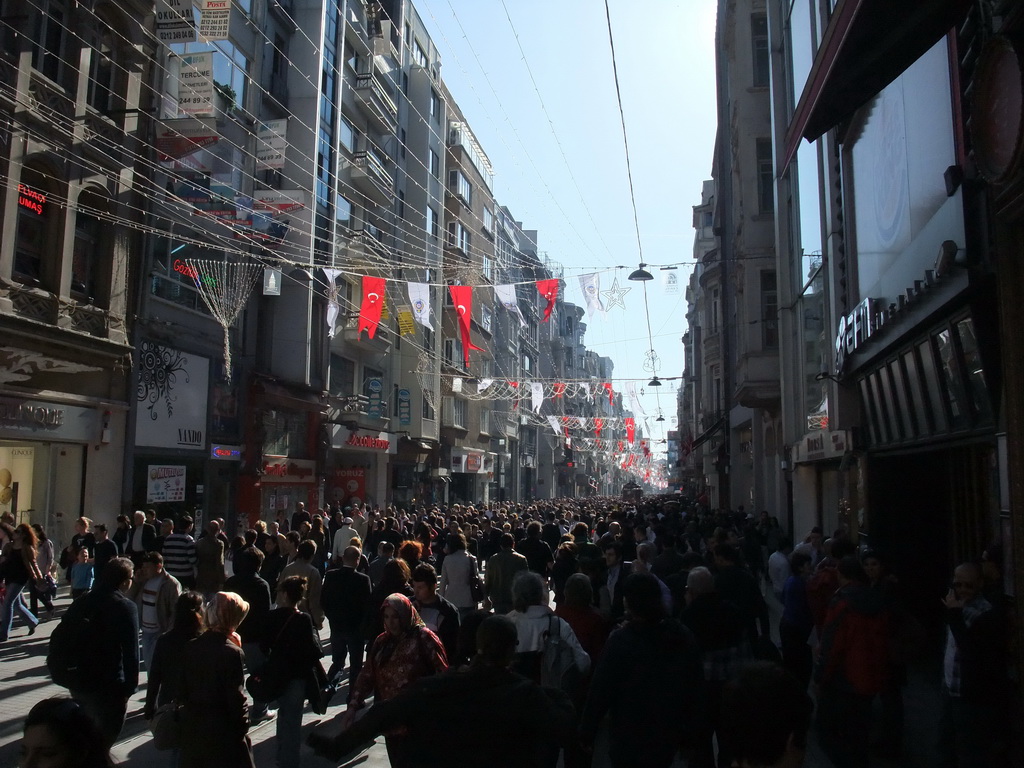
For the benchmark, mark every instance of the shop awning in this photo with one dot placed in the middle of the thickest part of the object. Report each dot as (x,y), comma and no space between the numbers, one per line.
(867,45)
(708,433)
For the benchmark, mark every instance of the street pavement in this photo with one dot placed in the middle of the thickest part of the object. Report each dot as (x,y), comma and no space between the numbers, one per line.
(24,681)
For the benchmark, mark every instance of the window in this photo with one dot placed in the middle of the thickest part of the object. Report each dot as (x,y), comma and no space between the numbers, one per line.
(48,39)
(435,164)
(347,135)
(458,237)
(230,68)
(400,204)
(343,376)
(36,237)
(459,185)
(453,353)
(89,251)
(435,106)
(765,177)
(428,409)
(343,211)
(485,421)
(428,339)
(401,141)
(486,319)
(488,267)
(286,433)
(759,44)
(527,364)
(459,418)
(419,56)
(102,73)
(488,220)
(351,58)
(432,222)
(405,83)
(769,311)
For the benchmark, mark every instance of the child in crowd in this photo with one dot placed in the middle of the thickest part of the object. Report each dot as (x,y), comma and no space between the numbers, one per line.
(81,572)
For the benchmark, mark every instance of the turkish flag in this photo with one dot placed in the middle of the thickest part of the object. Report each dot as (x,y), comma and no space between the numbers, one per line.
(598,425)
(373,303)
(611,394)
(630,430)
(559,388)
(549,290)
(462,298)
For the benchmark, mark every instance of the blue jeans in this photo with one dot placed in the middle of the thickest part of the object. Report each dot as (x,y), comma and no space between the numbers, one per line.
(14,601)
(149,648)
(289,724)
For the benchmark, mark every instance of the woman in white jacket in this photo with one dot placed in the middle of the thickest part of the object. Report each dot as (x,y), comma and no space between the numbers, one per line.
(457,570)
(534,620)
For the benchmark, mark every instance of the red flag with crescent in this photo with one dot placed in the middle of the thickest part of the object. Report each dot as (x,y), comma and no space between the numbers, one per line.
(373,303)
(611,394)
(630,430)
(598,426)
(549,290)
(559,388)
(462,298)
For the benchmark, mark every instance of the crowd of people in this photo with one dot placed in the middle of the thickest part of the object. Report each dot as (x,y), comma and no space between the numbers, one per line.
(650,620)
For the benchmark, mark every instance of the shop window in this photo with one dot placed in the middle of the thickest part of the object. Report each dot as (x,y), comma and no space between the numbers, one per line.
(950,374)
(171,277)
(903,405)
(974,369)
(286,433)
(343,376)
(36,240)
(931,379)
(918,396)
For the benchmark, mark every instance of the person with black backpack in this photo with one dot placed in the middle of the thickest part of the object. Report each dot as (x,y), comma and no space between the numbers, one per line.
(94,651)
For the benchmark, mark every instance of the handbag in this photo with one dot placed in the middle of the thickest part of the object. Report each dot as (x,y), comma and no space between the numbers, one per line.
(267,684)
(166,727)
(476,589)
(319,690)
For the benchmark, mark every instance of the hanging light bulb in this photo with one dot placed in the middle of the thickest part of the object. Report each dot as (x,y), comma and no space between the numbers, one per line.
(640,274)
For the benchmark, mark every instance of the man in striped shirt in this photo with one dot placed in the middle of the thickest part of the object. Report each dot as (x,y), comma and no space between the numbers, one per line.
(179,553)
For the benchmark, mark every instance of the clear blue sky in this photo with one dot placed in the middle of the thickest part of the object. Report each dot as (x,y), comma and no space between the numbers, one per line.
(555,142)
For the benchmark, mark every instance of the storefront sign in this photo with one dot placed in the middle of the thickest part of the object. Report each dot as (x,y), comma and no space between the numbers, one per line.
(31,199)
(281,469)
(214,19)
(176,139)
(822,444)
(195,84)
(172,392)
(175,21)
(50,420)
(469,462)
(404,407)
(165,483)
(367,441)
(271,144)
(373,409)
(855,329)
(226,452)
(474,462)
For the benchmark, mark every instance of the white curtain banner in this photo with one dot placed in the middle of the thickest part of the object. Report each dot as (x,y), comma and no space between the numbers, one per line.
(483,384)
(419,297)
(506,294)
(553,421)
(591,287)
(536,395)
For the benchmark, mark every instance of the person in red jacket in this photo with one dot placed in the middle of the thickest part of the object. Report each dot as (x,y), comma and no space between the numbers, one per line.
(852,666)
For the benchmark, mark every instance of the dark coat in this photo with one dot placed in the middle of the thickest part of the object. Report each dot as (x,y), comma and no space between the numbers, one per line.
(256,592)
(532,719)
(115,663)
(164,682)
(739,587)
(215,717)
(148,541)
(345,598)
(651,681)
(290,643)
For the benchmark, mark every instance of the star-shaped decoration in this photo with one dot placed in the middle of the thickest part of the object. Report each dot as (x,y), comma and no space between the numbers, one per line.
(614,295)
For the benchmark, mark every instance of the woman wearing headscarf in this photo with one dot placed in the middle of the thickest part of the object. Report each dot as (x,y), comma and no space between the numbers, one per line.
(215,717)
(403,653)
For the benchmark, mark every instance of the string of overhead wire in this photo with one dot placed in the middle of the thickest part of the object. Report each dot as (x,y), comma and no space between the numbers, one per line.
(230,233)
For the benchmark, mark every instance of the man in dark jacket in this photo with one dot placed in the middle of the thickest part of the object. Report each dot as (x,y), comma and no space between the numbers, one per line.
(502,568)
(535,550)
(974,676)
(440,615)
(141,539)
(736,584)
(617,571)
(345,599)
(532,719)
(650,680)
(114,659)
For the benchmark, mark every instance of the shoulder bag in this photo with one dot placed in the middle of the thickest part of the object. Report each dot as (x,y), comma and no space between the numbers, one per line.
(268,683)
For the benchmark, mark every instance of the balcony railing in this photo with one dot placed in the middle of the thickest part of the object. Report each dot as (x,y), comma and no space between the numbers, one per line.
(376,103)
(372,178)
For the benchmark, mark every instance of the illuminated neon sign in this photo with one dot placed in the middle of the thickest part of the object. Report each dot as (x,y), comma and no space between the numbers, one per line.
(29,198)
(182,268)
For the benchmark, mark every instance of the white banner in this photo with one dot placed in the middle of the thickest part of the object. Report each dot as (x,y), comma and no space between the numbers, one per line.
(419,297)
(271,144)
(536,395)
(172,391)
(333,310)
(506,294)
(195,84)
(175,21)
(591,287)
(634,401)
(214,19)
(553,421)
(165,483)
(483,384)
(671,279)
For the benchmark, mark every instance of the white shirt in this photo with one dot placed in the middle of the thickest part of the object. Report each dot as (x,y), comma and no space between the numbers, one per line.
(778,571)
